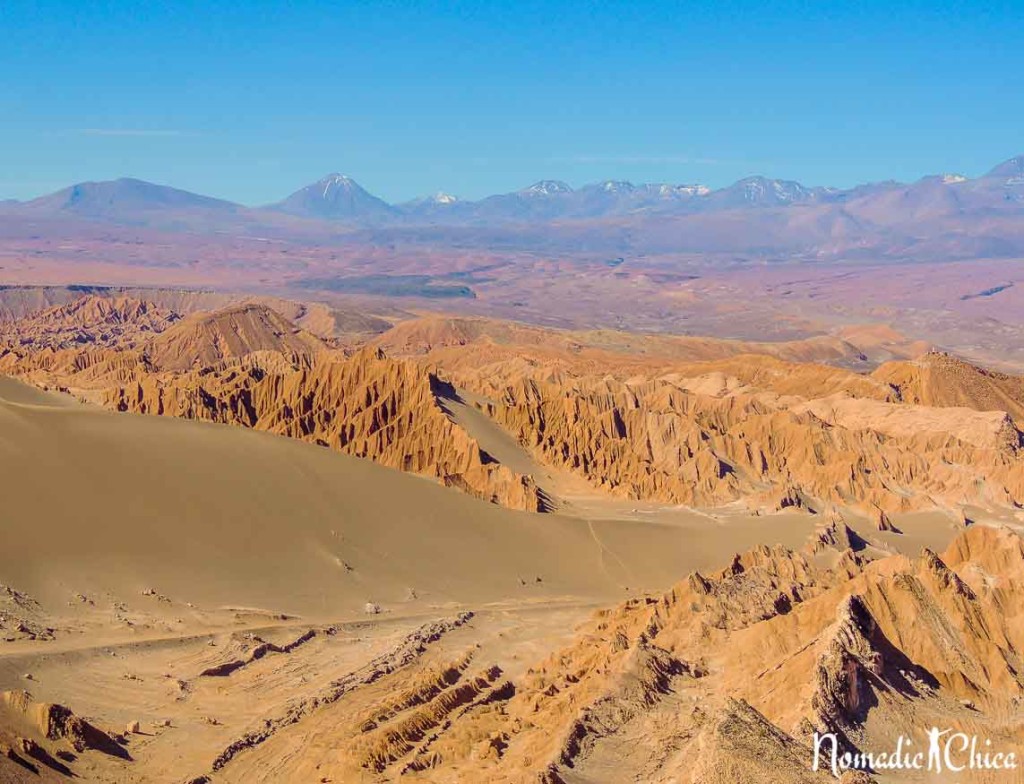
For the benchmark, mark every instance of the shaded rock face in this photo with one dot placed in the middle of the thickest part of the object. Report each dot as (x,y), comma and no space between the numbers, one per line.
(57,722)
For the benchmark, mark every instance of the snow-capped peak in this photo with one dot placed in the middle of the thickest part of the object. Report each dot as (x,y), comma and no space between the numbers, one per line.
(617,186)
(443,198)
(758,189)
(951,179)
(336,181)
(687,190)
(547,188)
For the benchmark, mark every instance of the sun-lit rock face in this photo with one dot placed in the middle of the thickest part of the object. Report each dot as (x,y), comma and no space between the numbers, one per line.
(680,421)
(90,320)
(672,440)
(367,405)
(941,380)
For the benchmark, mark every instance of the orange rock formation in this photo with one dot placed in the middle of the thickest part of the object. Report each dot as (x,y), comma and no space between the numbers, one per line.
(678,420)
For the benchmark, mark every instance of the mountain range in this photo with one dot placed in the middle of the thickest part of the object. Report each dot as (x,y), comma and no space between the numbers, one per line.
(938,216)
(339,197)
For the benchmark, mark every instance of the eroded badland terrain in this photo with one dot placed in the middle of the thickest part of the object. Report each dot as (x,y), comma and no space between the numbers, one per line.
(251,538)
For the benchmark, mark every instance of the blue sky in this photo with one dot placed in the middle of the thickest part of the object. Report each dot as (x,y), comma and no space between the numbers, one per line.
(249,101)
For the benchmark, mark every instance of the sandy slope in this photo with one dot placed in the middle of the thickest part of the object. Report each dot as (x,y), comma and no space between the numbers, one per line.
(214,514)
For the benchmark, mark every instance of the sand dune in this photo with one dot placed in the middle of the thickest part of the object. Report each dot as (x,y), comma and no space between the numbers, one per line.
(218,515)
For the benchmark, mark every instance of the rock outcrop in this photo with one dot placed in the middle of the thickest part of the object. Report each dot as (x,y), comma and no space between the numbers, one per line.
(940,380)
(658,440)
(91,320)
(214,339)
(56,723)
(725,678)
(769,432)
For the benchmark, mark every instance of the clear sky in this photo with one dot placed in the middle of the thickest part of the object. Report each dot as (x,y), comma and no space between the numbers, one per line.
(249,101)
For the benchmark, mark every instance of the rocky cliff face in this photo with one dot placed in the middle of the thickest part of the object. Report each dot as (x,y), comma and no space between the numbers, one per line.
(644,421)
(367,405)
(698,422)
(679,441)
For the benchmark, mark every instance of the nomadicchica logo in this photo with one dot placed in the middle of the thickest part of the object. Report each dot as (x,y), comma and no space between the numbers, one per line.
(943,751)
